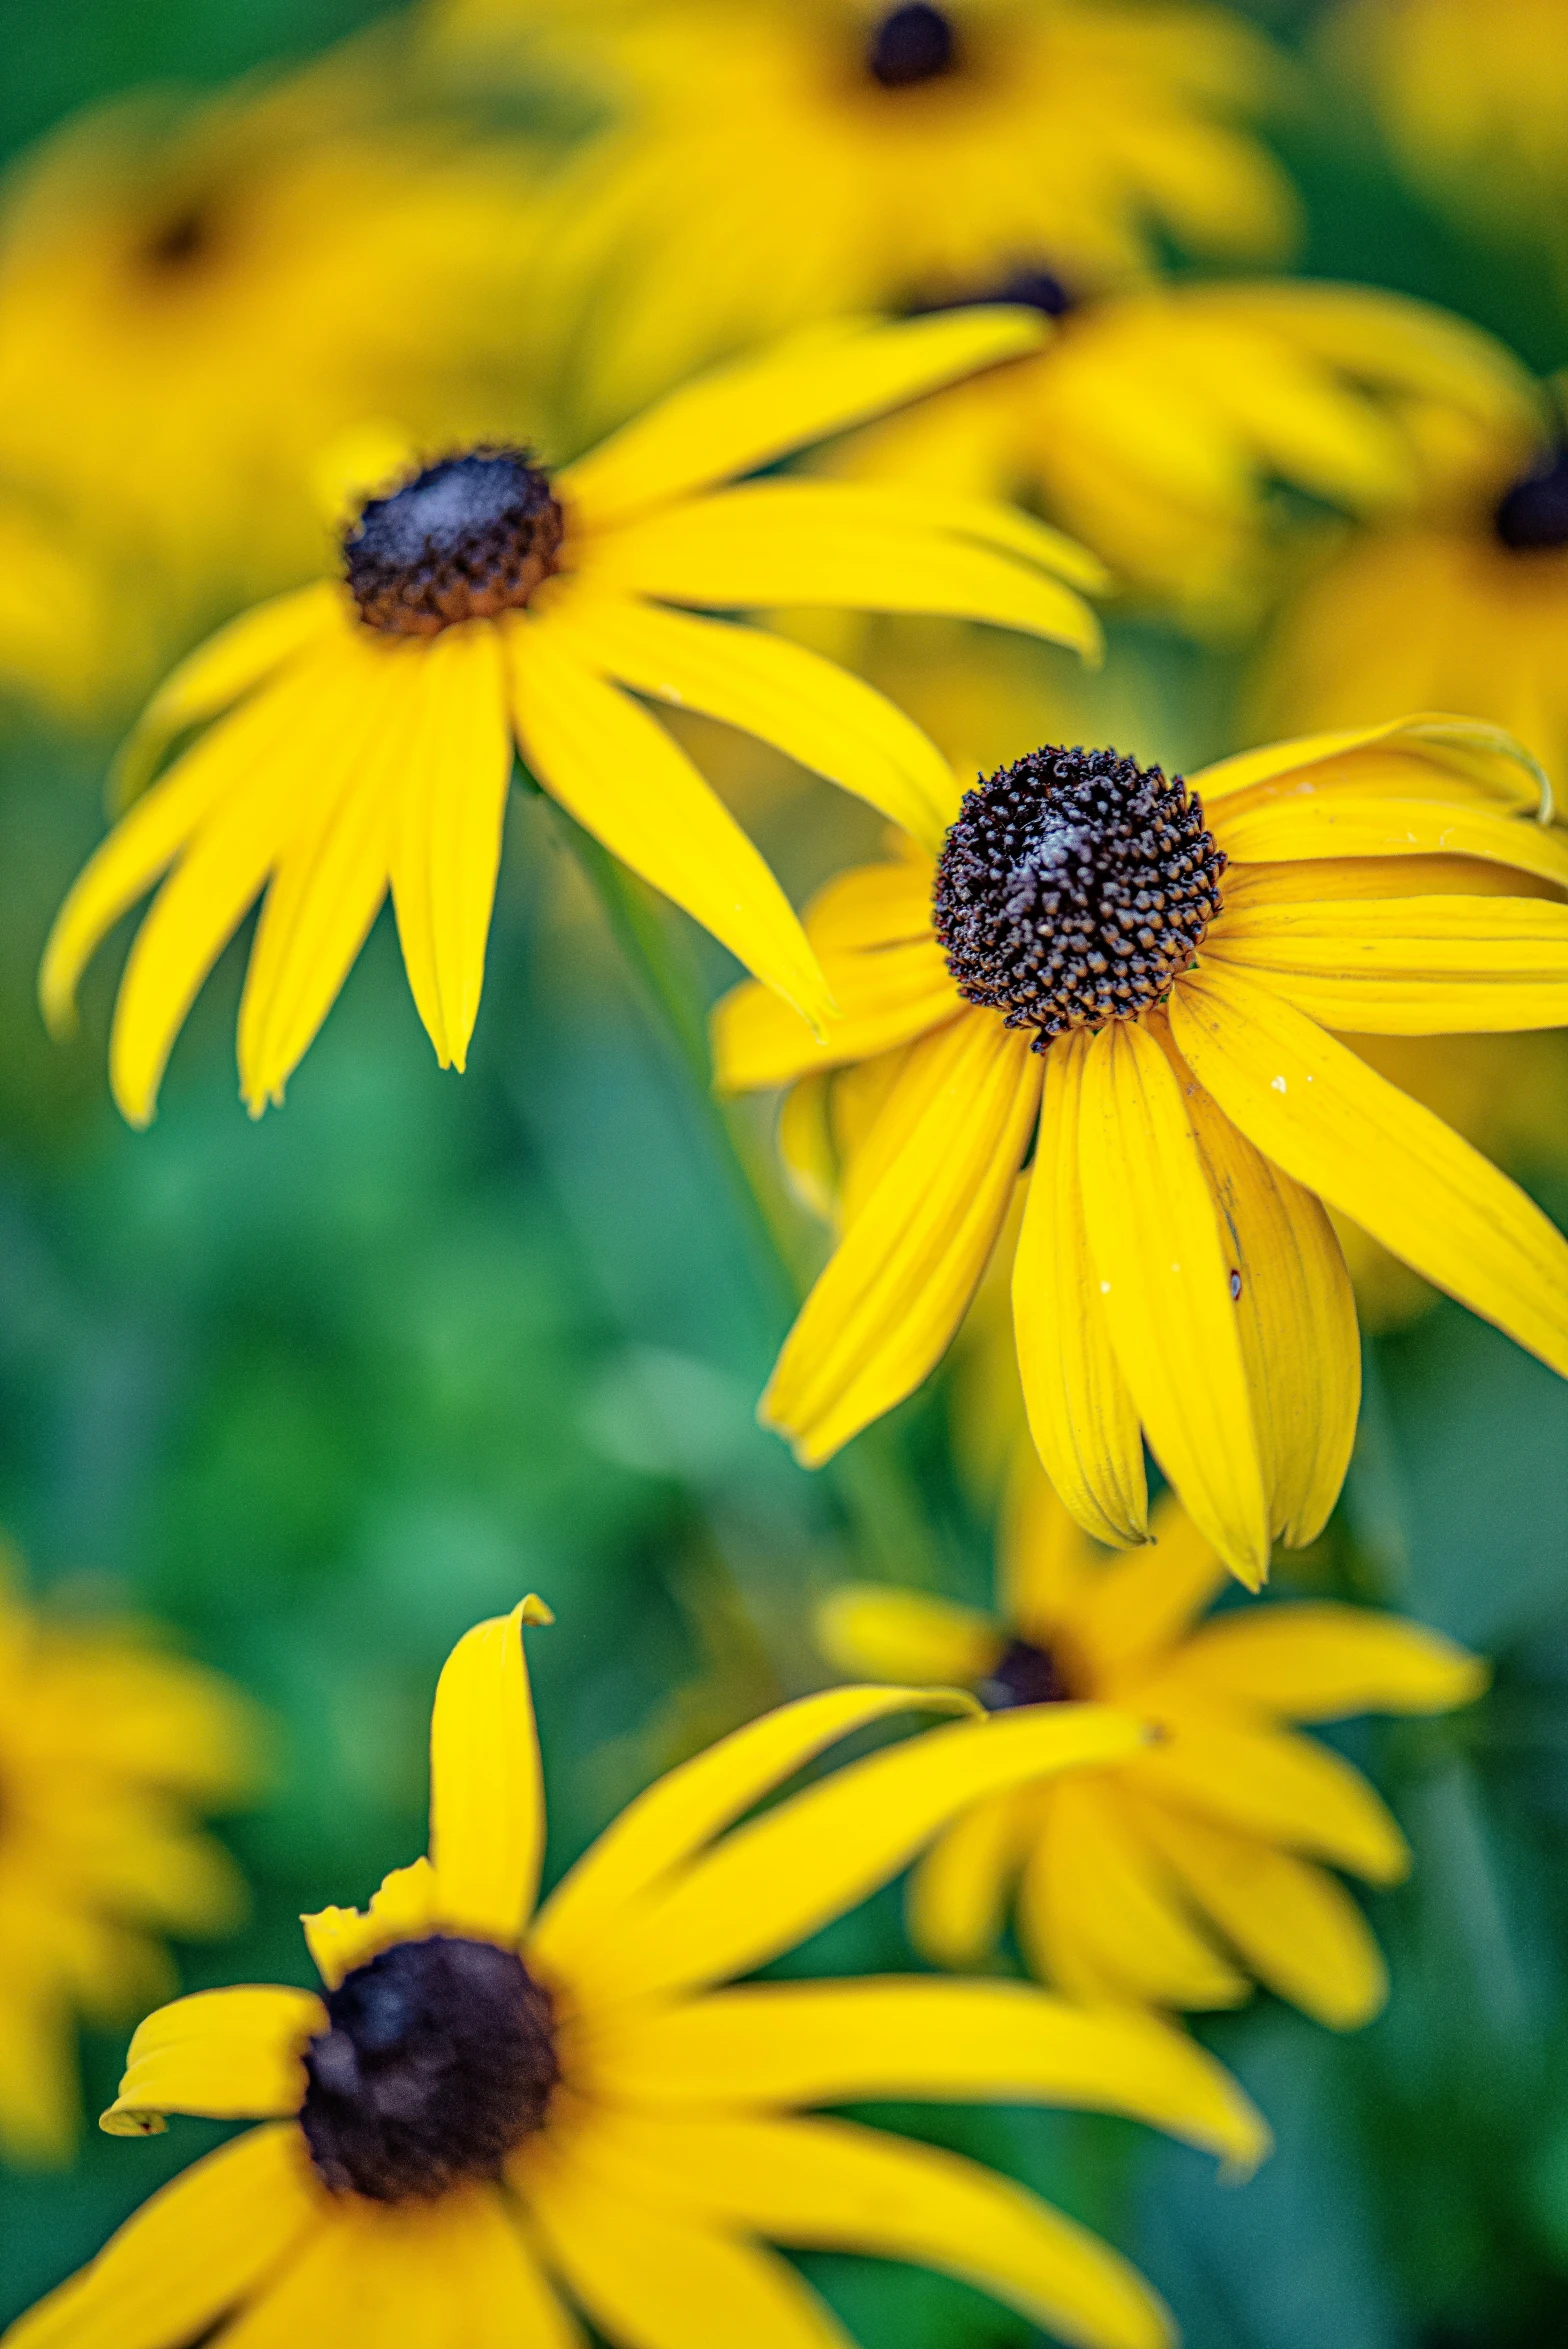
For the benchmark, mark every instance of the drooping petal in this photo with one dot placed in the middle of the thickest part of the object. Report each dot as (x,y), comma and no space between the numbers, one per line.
(1411,966)
(878,1632)
(827,2185)
(656,2280)
(665,1827)
(1135,1608)
(882,1313)
(190,2254)
(1154,1235)
(882,1000)
(232,2054)
(803,389)
(446,830)
(625,780)
(1319,1661)
(1081,1411)
(1297,1315)
(835,544)
(1100,1918)
(782,2043)
(771,1883)
(1333,1123)
(958,1893)
(815,712)
(1295,1926)
(486,1786)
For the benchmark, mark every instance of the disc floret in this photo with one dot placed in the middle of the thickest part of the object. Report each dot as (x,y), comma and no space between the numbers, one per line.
(1074,888)
(1531,516)
(466,538)
(911,45)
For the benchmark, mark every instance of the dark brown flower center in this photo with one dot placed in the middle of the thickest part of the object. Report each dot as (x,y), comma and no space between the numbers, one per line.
(468,537)
(180,244)
(1029,284)
(1532,515)
(1074,887)
(1023,1674)
(912,45)
(439,2058)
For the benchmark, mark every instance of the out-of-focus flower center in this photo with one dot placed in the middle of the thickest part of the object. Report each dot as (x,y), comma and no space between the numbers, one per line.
(180,245)
(1030,284)
(1532,515)
(1023,1674)
(912,45)
(1074,887)
(438,2060)
(467,538)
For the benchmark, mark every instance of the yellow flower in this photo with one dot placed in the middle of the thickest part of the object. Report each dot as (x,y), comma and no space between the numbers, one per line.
(489,601)
(1158,424)
(105,1746)
(1138,985)
(1154,1878)
(777,162)
(192,304)
(484,2114)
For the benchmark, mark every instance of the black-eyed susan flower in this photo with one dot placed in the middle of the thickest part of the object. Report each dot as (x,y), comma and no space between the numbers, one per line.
(485,2114)
(106,1747)
(772,163)
(1170,1875)
(1133,984)
(1159,424)
(196,301)
(362,731)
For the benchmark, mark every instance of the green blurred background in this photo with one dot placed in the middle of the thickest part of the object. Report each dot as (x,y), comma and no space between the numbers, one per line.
(319,1392)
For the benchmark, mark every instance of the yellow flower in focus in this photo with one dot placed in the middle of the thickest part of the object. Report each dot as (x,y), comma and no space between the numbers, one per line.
(106,1747)
(487,602)
(193,303)
(487,2112)
(1158,424)
(1133,988)
(1157,1877)
(782,160)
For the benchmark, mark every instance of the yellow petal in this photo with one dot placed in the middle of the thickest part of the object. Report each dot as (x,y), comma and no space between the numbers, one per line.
(804,1136)
(1307,826)
(1135,1608)
(770,1884)
(1308,1103)
(404,1909)
(624,779)
(396,2274)
(1154,1235)
(809,708)
(778,2043)
(1320,1662)
(1297,1314)
(882,1000)
(663,1828)
(876,1632)
(802,390)
(1482,755)
(190,2254)
(1100,1917)
(873,906)
(1295,1927)
(486,1788)
(882,1313)
(446,834)
(827,2185)
(233,2054)
(649,2277)
(958,1893)
(1044,1565)
(1081,1414)
(1411,966)
(1269,1784)
(218,672)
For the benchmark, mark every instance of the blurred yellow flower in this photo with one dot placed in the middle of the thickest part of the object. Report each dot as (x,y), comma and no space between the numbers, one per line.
(1157,425)
(489,601)
(105,1747)
(1154,1878)
(488,2110)
(193,301)
(780,160)
(1138,985)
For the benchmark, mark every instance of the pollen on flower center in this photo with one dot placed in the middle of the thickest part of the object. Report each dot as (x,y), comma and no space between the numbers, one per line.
(468,537)
(1532,515)
(439,2059)
(1023,1674)
(1074,887)
(912,45)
